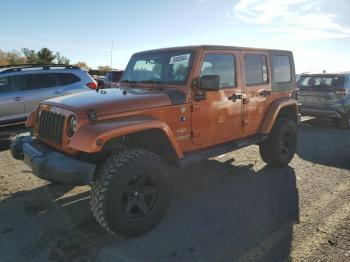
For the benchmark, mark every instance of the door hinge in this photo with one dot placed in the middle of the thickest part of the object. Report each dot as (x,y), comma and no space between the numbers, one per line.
(195,108)
(245,123)
(195,133)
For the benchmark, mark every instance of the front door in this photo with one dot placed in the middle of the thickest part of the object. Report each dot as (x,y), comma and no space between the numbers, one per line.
(11,100)
(217,117)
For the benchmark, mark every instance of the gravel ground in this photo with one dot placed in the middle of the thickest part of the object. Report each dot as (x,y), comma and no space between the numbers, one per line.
(231,208)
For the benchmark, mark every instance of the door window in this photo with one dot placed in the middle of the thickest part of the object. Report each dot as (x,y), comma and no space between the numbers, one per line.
(37,81)
(255,70)
(8,85)
(4,85)
(222,65)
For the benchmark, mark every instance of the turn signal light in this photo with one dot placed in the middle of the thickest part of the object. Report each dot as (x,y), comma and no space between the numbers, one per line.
(294,94)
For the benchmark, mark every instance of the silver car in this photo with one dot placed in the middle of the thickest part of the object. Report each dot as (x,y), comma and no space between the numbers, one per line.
(23,87)
(326,95)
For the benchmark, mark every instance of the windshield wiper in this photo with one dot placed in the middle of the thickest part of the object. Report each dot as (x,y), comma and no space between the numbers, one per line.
(157,83)
(132,83)
(151,82)
(128,81)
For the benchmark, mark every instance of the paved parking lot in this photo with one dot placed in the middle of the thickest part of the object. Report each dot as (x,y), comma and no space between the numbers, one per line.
(225,209)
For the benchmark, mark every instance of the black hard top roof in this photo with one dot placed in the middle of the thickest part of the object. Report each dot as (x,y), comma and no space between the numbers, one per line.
(212,47)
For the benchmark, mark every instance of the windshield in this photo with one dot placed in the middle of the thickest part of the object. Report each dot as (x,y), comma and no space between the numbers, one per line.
(167,67)
(323,81)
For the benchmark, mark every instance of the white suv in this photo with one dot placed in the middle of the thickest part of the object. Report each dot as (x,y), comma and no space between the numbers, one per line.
(22,88)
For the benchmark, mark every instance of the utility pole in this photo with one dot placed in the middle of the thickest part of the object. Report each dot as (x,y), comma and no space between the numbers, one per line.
(112,56)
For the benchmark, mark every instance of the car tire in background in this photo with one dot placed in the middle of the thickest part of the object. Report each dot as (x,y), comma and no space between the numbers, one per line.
(6,138)
(344,122)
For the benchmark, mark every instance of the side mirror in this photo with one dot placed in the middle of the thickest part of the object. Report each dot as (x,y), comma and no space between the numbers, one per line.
(209,83)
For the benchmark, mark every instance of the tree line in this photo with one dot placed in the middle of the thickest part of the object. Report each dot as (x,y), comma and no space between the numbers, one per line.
(29,56)
(42,56)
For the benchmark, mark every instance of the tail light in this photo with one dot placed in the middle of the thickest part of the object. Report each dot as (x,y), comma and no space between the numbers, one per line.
(341,91)
(294,94)
(92,85)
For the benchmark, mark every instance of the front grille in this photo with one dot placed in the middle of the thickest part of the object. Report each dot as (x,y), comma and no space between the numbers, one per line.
(51,127)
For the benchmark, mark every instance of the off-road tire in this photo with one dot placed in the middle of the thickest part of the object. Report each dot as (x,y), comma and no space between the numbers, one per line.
(111,182)
(273,150)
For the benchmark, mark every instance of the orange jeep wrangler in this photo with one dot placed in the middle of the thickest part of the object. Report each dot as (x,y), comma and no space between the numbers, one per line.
(174,107)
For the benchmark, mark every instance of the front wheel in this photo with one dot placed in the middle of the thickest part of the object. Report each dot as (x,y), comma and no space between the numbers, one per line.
(6,139)
(280,147)
(131,192)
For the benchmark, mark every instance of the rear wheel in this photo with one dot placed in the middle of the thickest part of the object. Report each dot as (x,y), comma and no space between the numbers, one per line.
(280,147)
(131,192)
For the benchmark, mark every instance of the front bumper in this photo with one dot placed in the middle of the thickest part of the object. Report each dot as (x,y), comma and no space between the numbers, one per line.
(50,164)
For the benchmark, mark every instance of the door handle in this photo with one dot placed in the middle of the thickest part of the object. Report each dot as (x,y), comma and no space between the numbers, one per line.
(59,91)
(235,97)
(18,98)
(264,93)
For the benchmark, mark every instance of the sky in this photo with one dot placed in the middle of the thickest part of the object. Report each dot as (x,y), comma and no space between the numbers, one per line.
(317,31)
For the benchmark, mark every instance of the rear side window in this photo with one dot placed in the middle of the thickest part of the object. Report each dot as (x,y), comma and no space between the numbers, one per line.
(37,81)
(67,79)
(255,67)
(222,65)
(281,69)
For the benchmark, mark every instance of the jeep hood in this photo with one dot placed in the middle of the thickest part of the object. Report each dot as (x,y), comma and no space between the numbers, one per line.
(111,101)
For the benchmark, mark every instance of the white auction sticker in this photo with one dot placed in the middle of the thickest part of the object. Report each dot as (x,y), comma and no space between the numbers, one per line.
(179,59)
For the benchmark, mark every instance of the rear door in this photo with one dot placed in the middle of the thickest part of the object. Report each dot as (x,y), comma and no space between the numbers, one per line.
(69,83)
(257,89)
(320,90)
(39,87)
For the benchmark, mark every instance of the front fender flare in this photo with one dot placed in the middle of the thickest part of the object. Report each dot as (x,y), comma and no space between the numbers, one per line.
(86,137)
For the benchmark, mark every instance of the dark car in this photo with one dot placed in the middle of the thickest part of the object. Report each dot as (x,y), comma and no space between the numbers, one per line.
(112,78)
(326,96)
(99,80)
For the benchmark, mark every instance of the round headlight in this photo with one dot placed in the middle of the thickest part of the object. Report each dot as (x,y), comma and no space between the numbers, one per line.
(72,125)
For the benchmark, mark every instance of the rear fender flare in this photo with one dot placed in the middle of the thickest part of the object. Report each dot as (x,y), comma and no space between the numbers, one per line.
(273,112)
